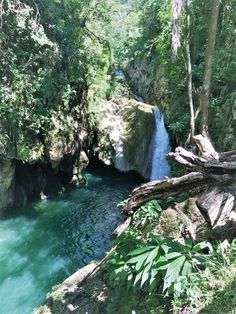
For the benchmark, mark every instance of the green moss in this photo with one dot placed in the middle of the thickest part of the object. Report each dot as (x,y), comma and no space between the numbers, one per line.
(139,131)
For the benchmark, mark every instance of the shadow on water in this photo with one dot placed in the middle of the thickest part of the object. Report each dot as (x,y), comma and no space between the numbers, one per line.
(42,244)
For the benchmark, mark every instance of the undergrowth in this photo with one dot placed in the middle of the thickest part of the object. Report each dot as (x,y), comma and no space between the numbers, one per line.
(159,275)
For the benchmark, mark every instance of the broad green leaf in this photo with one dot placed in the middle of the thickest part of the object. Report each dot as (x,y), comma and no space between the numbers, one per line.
(123,274)
(165,248)
(201,246)
(137,278)
(152,255)
(145,274)
(199,259)
(177,247)
(130,277)
(173,271)
(155,277)
(172,255)
(140,250)
(189,242)
(187,269)
(162,259)
(140,263)
(156,239)
(163,267)
(118,270)
(139,258)
(178,287)
(113,261)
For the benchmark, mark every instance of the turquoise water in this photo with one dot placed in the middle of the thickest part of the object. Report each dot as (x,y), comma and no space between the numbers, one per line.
(44,243)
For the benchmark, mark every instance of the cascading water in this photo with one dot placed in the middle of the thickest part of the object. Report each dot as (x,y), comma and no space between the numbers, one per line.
(160,148)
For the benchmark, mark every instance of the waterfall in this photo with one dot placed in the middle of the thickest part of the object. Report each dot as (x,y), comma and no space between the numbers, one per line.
(160,148)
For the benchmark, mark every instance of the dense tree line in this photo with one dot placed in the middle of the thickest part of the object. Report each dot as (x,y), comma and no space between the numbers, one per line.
(165,80)
(48,56)
(52,52)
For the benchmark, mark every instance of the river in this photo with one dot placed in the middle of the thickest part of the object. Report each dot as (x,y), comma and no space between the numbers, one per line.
(47,241)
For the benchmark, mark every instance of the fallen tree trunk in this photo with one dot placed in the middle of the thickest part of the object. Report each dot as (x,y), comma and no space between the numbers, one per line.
(162,189)
(216,172)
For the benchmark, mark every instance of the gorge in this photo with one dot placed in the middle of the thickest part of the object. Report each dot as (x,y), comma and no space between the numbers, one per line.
(117,157)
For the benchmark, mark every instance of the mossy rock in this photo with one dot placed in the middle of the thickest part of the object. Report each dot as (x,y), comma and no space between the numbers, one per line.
(125,130)
(140,126)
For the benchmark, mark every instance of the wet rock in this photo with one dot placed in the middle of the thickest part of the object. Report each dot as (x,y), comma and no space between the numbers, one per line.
(125,130)
(7,182)
(79,177)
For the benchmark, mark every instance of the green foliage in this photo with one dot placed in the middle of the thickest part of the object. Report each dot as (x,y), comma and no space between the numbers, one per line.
(187,274)
(214,287)
(162,261)
(163,82)
(177,127)
(149,212)
(176,169)
(48,58)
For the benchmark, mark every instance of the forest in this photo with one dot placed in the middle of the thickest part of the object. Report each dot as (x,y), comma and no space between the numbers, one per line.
(117,156)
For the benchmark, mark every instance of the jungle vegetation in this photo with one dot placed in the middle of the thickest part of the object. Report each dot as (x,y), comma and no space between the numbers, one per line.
(56,56)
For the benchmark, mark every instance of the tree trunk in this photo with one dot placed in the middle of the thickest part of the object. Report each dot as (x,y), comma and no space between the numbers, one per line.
(162,189)
(189,66)
(215,172)
(205,90)
(177,8)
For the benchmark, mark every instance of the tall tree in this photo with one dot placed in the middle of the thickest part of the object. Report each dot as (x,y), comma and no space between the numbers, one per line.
(205,90)
(189,66)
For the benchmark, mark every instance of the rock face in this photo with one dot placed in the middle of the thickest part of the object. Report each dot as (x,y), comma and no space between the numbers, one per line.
(147,76)
(125,131)
(63,140)
(182,220)
(7,182)
(40,167)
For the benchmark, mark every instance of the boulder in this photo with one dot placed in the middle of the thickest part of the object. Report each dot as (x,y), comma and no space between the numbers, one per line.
(79,177)
(125,130)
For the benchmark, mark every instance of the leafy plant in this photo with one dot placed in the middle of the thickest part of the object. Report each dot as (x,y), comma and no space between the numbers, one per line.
(162,261)
(148,213)
(177,127)
(213,287)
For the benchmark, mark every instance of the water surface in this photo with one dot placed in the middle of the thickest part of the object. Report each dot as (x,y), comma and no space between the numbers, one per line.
(44,243)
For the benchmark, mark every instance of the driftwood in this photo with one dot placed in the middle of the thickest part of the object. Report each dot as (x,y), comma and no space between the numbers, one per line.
(213,171)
